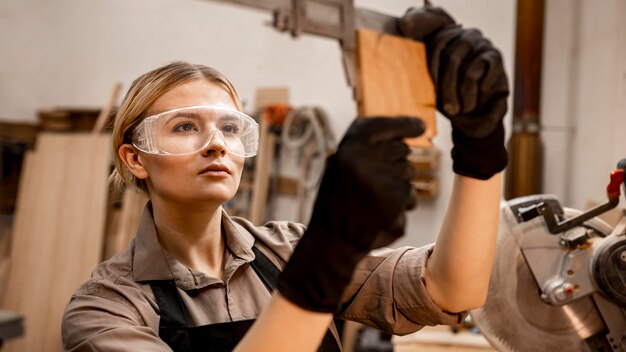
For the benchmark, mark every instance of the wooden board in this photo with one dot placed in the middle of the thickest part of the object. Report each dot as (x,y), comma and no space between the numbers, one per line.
(5,246)
(393,80)
(126,223)
(262,170)
(267,96)
(58,232)
(104,118)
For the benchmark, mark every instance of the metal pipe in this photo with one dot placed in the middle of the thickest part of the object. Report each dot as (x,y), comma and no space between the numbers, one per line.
(524,173)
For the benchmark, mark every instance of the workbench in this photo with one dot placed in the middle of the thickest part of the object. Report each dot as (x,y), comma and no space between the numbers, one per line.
(441,339)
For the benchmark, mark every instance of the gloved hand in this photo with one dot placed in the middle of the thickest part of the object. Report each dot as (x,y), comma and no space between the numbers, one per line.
(472,88)
(360,206)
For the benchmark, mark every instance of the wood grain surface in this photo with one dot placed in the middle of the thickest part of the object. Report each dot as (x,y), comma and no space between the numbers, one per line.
(394,80)
(58,232)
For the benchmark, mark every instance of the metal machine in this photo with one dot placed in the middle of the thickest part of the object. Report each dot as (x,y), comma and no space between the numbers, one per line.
(559,278)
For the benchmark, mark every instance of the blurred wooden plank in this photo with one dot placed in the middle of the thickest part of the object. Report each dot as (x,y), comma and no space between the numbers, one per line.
(57,233)
(267,96)
(67,119)
(350,334)
(6,222)
(104,117)
(18,133)
(262,170)
(394,80)
(127,222)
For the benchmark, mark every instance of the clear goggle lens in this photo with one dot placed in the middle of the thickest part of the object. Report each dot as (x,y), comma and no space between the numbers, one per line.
(191,129)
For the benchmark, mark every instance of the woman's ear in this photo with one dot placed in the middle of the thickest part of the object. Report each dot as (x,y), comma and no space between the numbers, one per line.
(130,157)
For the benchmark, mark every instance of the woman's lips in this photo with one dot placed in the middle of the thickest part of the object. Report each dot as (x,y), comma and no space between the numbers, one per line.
(215,170)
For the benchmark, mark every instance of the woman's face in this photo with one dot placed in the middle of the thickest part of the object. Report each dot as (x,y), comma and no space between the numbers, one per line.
(209,176)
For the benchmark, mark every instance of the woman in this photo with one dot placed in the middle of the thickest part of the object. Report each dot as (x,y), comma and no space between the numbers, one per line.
(195,278)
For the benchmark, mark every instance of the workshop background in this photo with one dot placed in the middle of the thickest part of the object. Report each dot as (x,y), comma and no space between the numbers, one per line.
(67,55)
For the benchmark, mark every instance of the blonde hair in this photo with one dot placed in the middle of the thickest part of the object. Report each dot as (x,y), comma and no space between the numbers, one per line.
(144,91)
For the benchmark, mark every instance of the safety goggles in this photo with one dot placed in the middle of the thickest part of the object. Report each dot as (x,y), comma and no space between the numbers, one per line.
(191,129)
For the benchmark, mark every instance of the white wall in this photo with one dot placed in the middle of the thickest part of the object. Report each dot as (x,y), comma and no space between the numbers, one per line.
(70,52)
(583,97)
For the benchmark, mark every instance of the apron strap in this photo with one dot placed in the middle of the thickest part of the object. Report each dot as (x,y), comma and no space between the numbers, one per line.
(170,304)
(265,269)
(171,307)
(174,330)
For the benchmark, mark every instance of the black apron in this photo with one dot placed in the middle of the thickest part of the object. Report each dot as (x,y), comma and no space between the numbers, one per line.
(174,330)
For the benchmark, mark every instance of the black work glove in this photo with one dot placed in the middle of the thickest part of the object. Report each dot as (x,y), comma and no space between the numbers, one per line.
(472,88)
(360,206)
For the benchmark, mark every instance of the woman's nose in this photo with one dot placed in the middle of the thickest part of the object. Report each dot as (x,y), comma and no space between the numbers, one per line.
(215,145)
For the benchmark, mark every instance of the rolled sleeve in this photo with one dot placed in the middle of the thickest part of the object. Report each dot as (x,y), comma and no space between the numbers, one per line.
(99,319)
(388,292)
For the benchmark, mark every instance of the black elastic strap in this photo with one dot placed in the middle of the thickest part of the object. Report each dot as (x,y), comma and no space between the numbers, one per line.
(169,302)
(265,269)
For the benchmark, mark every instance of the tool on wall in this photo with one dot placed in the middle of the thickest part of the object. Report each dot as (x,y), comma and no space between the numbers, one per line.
(559,277)
(286,133)
(306,131)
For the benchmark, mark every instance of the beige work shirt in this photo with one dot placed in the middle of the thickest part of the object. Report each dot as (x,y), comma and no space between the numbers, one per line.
(116,311)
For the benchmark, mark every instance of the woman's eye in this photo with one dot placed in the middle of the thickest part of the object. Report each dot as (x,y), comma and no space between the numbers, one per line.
(185,127)
(230,128)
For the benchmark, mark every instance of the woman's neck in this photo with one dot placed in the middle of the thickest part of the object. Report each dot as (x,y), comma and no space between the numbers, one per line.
(193,236)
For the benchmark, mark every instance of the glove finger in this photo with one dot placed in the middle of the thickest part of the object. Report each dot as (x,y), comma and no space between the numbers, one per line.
(365,157)
(412,201)
(436,46)
(491,113)
(392,151)
(495,81)
(405,171)
(418,23)
(473,72)
(398,172)
(453,58)
(381,129)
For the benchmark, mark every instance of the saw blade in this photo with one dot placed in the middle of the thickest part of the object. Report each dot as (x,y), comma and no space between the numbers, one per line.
(515,318)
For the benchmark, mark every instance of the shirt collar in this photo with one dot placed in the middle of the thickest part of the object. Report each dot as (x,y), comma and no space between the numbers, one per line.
(153,262)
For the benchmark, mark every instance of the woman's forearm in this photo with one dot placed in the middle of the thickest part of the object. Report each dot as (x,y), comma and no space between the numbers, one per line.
(458,271)
(284,326)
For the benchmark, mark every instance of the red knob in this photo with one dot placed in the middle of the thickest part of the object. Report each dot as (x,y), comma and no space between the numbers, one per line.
(617,178)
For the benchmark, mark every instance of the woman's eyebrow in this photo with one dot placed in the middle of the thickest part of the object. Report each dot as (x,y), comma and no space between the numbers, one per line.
(230,116)
(183,114)
(191,115)
(197,116)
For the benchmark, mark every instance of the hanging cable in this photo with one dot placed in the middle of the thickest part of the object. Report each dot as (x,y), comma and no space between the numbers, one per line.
(307,131)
